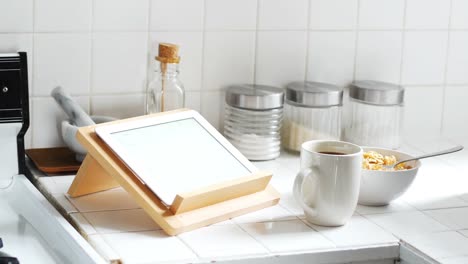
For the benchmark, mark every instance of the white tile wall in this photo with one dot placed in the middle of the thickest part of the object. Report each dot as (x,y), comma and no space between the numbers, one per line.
(18,18)
(103,51)
(331,57)
(333,14)
(62,15)
(459,19)
(424,57)
(51,53)
(379,56)
(190,13)
(280,52)
(119,63)
(212,107)
(192,100)
(230,14)
(118,106)
(427,14)
(455,113)
(457,64)
(381,14)
(228,58)
(431,106)
(121,15)
(283,14)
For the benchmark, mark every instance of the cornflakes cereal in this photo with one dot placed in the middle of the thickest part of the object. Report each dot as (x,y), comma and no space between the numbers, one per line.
(376,161)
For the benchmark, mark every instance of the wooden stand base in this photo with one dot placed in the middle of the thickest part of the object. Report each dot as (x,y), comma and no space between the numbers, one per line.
(91,178)
(103,170)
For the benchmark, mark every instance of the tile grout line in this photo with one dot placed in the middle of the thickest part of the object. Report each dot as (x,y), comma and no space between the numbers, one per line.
(356,36)
(447,53)
(148,56)
(203,54)
(103,211)
(254,238)
(403,42)
(447,208)
(309,18)
(89,222)
(417,211)
(237,30)
(382,227)
(110,94)
(256,45)
(449,229)
(31,75)
(110,245)
(91,61)
(305,222)
(189,247)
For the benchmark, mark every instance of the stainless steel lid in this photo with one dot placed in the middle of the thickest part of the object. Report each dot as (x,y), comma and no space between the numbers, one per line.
(375,92)
(255,97)
(314,94)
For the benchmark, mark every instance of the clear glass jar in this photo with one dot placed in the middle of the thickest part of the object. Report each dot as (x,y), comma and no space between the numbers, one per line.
(375,114)
(253,119)
(166,92)
(312,111)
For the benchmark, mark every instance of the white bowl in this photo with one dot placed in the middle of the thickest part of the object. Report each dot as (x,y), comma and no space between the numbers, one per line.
(381,187)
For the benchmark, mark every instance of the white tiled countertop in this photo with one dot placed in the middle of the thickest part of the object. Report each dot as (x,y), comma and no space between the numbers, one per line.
(432,217)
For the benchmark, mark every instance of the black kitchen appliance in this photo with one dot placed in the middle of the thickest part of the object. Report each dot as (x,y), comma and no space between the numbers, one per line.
(14,98)
(14,108)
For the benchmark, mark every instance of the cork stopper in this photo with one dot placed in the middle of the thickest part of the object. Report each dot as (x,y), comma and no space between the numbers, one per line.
(168,53)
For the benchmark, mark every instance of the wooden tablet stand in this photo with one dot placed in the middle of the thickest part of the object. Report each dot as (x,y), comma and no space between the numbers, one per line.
(102,170)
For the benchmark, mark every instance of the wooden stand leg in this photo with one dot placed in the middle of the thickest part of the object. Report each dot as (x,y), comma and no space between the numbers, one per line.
(91,178)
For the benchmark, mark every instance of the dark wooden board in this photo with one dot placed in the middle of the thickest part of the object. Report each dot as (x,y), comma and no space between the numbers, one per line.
(54,160)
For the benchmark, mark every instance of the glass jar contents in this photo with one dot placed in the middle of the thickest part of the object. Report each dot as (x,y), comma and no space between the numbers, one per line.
(312,111)
(375,114)
(253,117)
(166,92)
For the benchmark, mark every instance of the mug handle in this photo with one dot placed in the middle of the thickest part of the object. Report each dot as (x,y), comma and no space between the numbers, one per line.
(297,189)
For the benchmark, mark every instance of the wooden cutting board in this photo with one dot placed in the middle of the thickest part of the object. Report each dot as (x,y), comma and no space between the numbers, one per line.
(54,160)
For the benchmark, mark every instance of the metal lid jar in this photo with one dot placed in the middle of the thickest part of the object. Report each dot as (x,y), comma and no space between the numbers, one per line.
(375,114)
(253,119)
(312,111)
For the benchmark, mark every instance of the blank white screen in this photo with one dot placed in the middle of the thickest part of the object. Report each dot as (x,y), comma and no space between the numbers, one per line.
(176,157)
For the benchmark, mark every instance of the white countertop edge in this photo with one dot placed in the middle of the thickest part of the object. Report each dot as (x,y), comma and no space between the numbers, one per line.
(411,255)
(320,256)
(68,245)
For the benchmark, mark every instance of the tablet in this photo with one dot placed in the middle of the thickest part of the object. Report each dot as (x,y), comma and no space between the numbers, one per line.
(175,153)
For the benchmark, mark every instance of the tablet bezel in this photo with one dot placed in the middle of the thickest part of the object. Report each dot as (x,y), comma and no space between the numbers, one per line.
(105,133)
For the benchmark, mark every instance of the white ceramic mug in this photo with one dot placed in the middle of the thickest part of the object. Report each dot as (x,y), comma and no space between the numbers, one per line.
(327,187)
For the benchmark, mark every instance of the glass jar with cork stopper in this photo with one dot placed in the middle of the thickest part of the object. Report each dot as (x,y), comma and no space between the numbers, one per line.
(166,92)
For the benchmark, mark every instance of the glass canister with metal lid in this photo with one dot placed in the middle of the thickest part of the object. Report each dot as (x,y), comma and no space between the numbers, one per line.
(375,114)
(312,110)
(253,119)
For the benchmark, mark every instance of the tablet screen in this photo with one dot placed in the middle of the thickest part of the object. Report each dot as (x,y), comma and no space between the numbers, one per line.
(176,157)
